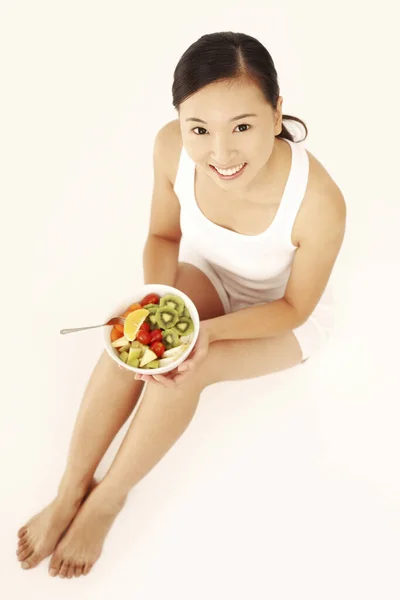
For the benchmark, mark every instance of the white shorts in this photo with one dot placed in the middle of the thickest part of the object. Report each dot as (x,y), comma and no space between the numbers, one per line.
(311,335)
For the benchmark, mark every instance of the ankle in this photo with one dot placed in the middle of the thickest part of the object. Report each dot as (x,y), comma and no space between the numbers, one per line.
(113,497)
(73,490)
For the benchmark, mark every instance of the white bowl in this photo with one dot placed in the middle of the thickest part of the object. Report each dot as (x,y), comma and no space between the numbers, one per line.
(137,296)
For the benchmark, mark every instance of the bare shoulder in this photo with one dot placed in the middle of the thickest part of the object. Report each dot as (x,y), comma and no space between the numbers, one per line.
(324,207)
(170,146)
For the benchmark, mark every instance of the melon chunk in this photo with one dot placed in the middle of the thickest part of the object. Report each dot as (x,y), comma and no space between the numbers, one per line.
(147,357)
(122,341)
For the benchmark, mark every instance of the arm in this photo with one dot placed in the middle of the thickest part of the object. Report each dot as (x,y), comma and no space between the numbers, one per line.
(319,245)
(160,254)
(160,260)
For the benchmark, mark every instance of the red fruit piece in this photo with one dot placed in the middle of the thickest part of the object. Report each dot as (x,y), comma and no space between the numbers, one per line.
(150,299)
(143,337)
(158,348)
(156,336)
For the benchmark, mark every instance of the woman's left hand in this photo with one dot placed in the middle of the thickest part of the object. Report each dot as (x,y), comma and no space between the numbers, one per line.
(184,370)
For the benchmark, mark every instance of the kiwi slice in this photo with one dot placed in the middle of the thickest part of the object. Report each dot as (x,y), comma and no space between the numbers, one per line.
(166,317)
(152,320)
(174,302)
(170,338)
(184,326)
(186,313)
(150,307)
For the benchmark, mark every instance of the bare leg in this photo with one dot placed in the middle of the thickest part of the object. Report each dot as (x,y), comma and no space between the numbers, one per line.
(162,417)
(111,395)
(109,399)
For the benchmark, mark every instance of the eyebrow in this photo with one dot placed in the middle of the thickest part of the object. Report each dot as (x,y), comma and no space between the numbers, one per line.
(234,118)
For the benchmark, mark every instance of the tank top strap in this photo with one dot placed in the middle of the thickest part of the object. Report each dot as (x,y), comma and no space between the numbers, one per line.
(295,190)
(184,180)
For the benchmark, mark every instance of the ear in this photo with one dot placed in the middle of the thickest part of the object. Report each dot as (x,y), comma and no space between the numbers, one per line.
(278,116)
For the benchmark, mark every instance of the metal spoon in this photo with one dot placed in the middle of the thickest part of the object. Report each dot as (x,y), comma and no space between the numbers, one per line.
(113,321)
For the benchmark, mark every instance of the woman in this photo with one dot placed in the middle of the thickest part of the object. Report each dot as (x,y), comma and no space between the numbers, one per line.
(259,243)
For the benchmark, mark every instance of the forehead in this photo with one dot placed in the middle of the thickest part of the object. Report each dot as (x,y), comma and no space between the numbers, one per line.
(222,100)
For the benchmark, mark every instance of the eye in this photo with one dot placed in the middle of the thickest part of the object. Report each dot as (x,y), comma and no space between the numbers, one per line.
(240,125)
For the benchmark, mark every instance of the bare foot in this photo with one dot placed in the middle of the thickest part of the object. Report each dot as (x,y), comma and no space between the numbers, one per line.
(82,544)
(39,537)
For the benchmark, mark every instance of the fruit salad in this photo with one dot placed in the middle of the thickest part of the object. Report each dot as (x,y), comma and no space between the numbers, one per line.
(155,333)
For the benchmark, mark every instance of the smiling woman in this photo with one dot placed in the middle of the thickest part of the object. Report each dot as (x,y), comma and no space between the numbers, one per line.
(262,243)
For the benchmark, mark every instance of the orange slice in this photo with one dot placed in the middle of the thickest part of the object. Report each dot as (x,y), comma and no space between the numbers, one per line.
(135,307)
(133,322)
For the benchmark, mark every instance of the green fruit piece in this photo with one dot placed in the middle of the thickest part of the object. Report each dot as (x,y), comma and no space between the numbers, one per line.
(135,353)
(170,338)
(124,356)
(133,362)
(147,358)
(184,326)
(171,301)
(186,313)
(136,344)
(124,348)
(122,341)
(166,317)
(152,365)
(153,321)
(133,357)
(152,308)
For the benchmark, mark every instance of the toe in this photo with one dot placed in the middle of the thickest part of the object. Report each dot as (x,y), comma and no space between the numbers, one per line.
(55,564)
(86,568)
(25,561)
(31,561)
(22,531)
(78,570)
(71,570)
(64,569)
(23,540)
(25,553)
(22,547)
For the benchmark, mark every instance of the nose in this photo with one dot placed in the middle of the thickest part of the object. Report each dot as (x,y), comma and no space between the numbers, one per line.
(221,154)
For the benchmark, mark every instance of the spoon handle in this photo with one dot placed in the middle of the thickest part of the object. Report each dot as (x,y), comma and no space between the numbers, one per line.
(80,329)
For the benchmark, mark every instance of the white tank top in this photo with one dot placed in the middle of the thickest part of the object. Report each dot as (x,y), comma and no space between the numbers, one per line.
(254,268)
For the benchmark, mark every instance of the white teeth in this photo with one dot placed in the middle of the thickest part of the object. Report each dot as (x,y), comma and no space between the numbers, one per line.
(229,171)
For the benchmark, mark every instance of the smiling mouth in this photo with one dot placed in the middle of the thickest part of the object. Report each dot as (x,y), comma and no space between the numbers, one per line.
(232,171)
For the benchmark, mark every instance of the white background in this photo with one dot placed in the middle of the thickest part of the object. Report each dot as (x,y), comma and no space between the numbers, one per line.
(283,487)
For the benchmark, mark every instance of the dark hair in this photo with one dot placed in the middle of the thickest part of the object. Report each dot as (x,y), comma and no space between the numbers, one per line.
(224,56)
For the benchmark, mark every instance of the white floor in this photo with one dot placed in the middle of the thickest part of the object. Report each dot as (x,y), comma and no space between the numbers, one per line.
(283,487)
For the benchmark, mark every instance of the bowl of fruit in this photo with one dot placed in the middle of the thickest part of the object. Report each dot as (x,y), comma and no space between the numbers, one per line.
(159,332)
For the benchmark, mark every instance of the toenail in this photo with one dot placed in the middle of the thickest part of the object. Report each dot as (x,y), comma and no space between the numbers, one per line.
(53,572)
(25,565)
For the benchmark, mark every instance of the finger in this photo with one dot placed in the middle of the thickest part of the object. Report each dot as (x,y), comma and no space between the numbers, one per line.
(190,366)
(185,366)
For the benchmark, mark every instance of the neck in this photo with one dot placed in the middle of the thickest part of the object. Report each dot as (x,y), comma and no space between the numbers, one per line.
(264,179)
